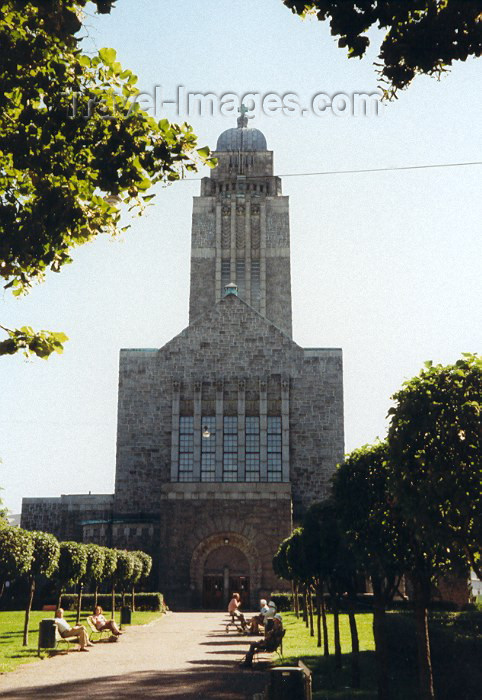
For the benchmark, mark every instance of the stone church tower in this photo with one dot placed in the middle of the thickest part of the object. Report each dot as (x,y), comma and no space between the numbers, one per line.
(230,431)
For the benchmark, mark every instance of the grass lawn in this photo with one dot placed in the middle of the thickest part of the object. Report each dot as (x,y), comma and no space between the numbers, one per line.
(12,653)
(456,656)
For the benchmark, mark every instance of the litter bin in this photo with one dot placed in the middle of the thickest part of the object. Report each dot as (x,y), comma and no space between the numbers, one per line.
(290,683)
(46,634)
(126,615)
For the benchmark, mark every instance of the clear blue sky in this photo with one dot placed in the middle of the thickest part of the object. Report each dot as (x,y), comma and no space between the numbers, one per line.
(384,265)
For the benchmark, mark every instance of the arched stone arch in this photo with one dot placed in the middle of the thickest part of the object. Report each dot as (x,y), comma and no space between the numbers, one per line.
(212,542)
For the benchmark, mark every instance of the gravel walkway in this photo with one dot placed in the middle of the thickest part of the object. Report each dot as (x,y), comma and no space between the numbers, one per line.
(182,655)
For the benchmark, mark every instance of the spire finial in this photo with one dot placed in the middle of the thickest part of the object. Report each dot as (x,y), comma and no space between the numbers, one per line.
(243,119)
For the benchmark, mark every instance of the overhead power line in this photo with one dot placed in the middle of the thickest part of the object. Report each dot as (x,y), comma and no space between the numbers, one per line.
(362,170)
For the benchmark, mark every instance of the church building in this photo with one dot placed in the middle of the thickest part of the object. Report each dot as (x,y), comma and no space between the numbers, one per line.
(231,430)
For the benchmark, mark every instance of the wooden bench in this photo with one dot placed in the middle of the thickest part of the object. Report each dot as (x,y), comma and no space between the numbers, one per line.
(68,640)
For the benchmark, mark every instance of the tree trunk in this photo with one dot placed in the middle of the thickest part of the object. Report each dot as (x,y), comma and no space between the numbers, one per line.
(423,644)
(326,645)
(381,648)
(336,625)
(79,602)
(318,618)
(96,595)
(133,599)
(59,600)
(113,602)
(310,612)
(355,647)
(123,598)
(305,607)
(297,602)
(27,612)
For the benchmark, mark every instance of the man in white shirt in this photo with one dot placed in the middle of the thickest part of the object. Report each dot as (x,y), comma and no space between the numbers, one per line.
(65,630)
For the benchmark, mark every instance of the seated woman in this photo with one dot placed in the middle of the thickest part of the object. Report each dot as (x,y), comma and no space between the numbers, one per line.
(233,610)
(258,620)
(102,624)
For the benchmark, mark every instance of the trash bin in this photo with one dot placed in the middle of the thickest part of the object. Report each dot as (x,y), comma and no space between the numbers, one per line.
(46,634)
(126,614)
(290,683)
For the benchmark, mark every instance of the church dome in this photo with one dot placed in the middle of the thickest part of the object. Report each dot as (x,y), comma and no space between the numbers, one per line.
(242,138)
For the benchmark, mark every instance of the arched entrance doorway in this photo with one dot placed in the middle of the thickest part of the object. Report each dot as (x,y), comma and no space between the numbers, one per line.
(221,564)
(226,570)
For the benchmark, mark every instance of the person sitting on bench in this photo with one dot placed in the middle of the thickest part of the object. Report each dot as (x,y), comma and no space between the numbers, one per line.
(233,610)
(270,643)
(258,620)
(65,630)
(102,624)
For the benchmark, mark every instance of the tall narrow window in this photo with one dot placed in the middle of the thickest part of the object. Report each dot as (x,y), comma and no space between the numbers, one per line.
(186,448)
(225,274)
(230,448)
(255,284)
(208,448)
(252,448)
(274,449)
(241,278)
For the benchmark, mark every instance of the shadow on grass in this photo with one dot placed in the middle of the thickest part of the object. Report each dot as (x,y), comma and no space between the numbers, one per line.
(456,643)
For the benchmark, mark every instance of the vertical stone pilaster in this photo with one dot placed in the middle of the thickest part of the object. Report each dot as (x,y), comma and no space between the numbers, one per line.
(241,430)
(263,430)
(219,430)
(285,428)
(247,250)
(262,258)
(176,393)
(233,242)
(217,282)
(196,475)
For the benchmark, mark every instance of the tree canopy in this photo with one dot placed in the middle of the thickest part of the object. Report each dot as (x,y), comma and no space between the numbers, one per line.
(75,149)
(421,36)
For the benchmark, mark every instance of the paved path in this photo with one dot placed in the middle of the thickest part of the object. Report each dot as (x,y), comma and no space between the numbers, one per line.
(182,655)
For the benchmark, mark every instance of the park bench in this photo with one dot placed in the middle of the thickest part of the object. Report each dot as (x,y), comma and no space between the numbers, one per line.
(94,631)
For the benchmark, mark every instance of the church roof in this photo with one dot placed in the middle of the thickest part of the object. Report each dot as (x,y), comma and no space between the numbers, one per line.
(242,138)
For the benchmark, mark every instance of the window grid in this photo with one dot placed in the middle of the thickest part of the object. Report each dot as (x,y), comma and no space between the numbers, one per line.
(208,448)
(186,448)
(230,448)
(252,448)
(274,449)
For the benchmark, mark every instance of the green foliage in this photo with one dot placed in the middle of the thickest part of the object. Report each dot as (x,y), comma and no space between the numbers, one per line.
(72,563)
(94,569)
(146,561)
(434,447)
(46,553)
(124,569)
(421,36)
(75,148)
(30,342)
(281,565)
(16,552)
(110,564)
(374,533)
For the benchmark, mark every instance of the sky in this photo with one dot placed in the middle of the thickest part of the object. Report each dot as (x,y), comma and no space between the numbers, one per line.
(385,265)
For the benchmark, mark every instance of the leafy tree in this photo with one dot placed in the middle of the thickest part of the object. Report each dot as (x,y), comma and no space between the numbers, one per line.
(333,563)
(434,447)
(282,570)
(3,512)
(124,571)
(94,570)
(108,573)
(75,148)
(71,567)
(16,552)
(45,557)
(142,569)
(421,36)
(376,537)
